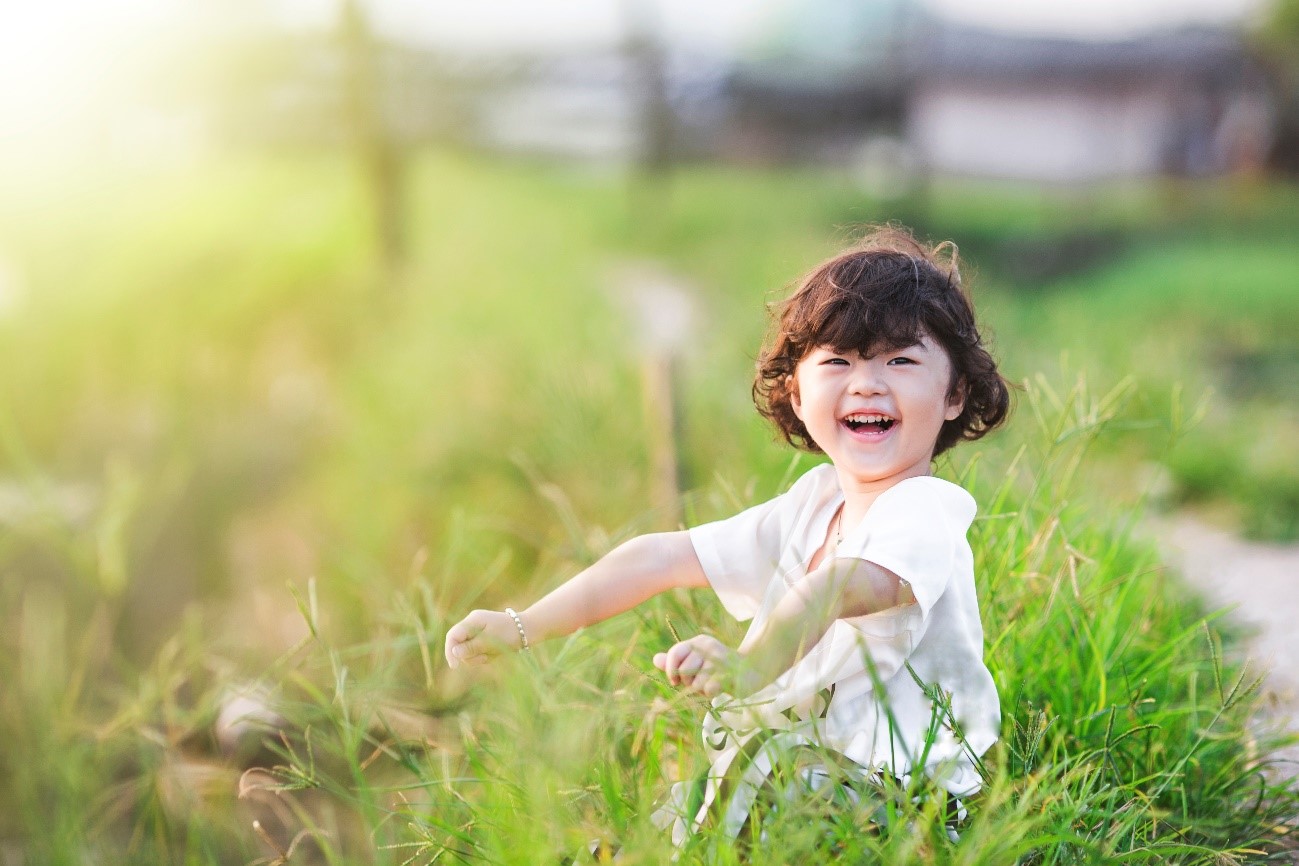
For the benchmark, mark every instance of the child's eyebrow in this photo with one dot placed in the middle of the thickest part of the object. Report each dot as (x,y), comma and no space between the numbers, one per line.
(920,344)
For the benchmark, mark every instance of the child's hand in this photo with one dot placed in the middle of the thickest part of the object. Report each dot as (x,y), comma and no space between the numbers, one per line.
(701,664)
(480,637)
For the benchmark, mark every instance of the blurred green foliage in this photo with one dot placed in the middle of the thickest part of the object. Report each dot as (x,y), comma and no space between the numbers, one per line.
(214,389)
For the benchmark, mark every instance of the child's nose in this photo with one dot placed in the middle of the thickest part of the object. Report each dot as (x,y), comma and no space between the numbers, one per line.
(868,378)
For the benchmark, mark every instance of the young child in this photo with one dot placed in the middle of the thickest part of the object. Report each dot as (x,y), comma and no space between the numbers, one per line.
(858,580)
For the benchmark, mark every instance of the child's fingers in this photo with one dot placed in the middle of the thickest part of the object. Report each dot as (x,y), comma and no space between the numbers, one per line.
(698,664)
(708,685)
(681,662)
(466,629)
(459,637)
(671,659)
(691,664)
(475,651)
(685,659)
(464,651)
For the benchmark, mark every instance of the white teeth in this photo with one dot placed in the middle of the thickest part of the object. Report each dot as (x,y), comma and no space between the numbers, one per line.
(867,419)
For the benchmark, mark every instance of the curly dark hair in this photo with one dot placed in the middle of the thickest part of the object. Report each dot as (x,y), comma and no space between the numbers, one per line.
(882,294)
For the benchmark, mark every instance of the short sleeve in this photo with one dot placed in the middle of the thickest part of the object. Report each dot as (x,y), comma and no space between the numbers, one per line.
(740,554)
(914,530)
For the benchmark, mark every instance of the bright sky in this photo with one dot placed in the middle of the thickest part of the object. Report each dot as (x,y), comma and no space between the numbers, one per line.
(62,59)
(722,22)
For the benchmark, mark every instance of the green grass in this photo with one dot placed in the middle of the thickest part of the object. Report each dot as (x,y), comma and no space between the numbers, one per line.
(1126,734)
(234,450)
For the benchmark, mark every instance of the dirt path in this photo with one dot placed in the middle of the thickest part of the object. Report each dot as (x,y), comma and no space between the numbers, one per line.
(1260,582)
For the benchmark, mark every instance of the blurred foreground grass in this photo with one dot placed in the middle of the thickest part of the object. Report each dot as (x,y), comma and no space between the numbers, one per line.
(213,393)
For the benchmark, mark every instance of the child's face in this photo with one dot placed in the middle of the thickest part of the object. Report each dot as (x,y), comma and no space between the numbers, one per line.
(877,418)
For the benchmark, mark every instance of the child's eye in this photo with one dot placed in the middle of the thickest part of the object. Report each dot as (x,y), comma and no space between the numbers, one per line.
(902,359)
(835,361)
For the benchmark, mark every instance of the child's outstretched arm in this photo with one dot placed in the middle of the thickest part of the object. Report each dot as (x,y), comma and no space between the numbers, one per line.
(629,574)
(838,589)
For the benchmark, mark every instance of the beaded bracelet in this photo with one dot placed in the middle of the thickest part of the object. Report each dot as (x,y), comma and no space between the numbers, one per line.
(523,635)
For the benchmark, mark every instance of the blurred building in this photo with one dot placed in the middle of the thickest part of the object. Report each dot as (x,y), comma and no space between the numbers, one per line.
(1186,101)
(600,106)
(823,79)
(878,86)
(882,82)
(887,81)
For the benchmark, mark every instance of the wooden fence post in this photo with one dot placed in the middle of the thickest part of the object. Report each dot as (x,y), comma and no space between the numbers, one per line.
(661,310)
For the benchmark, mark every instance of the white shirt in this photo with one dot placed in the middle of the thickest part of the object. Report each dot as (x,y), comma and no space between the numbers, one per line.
(915,529)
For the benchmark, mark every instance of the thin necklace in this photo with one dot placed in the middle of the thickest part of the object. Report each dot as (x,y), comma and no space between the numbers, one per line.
(838,527)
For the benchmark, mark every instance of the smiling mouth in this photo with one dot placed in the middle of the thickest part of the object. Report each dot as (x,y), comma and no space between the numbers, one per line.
(869,422)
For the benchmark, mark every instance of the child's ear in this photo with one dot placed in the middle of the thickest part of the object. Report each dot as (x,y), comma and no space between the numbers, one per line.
(955,402)
(795,402)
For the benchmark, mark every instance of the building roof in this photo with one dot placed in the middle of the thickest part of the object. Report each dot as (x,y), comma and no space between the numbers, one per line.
(952,50)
